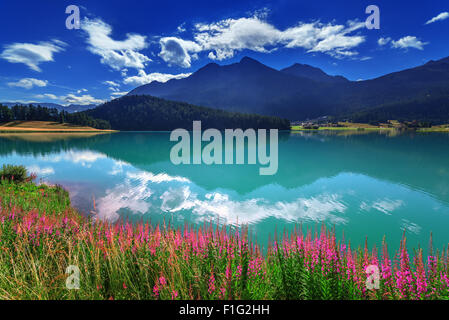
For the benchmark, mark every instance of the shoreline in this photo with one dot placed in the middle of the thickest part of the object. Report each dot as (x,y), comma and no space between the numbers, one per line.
(47,127)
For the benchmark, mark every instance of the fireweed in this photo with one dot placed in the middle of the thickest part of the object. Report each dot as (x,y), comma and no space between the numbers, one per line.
(141,261)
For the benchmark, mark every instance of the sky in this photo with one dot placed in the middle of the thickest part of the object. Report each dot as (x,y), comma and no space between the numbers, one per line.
(123,44)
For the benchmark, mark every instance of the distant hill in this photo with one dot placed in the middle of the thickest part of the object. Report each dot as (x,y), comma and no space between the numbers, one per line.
(151,113)
(72,108)
(427,109)
(302,92)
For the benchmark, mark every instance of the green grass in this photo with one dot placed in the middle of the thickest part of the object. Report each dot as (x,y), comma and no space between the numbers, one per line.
(28,196)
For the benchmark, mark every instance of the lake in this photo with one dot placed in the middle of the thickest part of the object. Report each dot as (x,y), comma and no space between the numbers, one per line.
(365,184)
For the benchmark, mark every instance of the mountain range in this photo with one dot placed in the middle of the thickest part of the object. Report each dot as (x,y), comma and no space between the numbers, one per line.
(302,92)
(72,108)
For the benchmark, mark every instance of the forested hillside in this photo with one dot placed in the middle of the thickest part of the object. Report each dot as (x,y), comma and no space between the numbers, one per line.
(151,113)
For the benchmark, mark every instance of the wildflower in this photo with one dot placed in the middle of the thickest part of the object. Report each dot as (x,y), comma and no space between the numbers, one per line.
(156,290)
(162,281)
(211,283)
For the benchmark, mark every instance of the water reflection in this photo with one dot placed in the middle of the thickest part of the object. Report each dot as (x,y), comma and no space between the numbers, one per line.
(365,184)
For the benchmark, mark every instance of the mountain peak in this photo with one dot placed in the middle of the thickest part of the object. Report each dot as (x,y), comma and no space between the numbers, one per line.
(247,60)
(313,73)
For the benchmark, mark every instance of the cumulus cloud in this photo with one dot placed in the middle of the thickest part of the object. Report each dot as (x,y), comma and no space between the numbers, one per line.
(408,42)
(28,83)
(144,78)
(176,51)
(32,54)
(442,16)
(118,54)
(224,38)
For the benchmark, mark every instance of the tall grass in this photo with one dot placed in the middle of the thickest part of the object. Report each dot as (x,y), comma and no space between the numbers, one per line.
(39,240)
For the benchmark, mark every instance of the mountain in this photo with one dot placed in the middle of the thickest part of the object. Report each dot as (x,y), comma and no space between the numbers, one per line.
(72,108)
(301,91)
(247,86)
(147,113)
(312,73)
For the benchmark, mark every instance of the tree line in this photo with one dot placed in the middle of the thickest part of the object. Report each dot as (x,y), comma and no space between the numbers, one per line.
(144,112)
(39,113)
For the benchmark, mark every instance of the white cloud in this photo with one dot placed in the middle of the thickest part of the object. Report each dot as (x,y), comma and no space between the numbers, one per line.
(83,157)
(383,41)
(410,226)
(181,28)
(142,191)
(115,53)
(386,206)
(82,100)
(40,171)
(215,205)
(81,90)
(32,54)
(408,42)
(144,78)
(28,83)
(145,177)
(112,83)
(113,86)
(71,98)
(226,37)
(47,96)
(118,94)
(176,51)
(442,16)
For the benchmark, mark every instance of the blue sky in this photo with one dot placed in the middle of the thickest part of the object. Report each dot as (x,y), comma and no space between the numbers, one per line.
(123,44)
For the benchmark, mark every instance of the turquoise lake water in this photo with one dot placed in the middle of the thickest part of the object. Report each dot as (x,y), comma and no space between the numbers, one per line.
(366,185)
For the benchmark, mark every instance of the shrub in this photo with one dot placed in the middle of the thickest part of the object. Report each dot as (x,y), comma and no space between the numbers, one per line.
(13,173)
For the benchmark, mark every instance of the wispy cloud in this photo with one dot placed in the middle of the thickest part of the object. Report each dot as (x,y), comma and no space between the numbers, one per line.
(84,99)
(32,54)
(71,98)
(47,96)
(28,83)
(442,16)
(144,78)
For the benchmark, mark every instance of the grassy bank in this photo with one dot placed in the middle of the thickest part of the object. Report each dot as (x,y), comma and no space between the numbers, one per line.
(45,126)
(391,126)
(41,235)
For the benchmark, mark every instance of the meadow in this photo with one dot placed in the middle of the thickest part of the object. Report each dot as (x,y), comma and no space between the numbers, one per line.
(41,235)
(45,126)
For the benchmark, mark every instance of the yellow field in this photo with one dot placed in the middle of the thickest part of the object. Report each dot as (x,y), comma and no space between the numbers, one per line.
(45,126)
